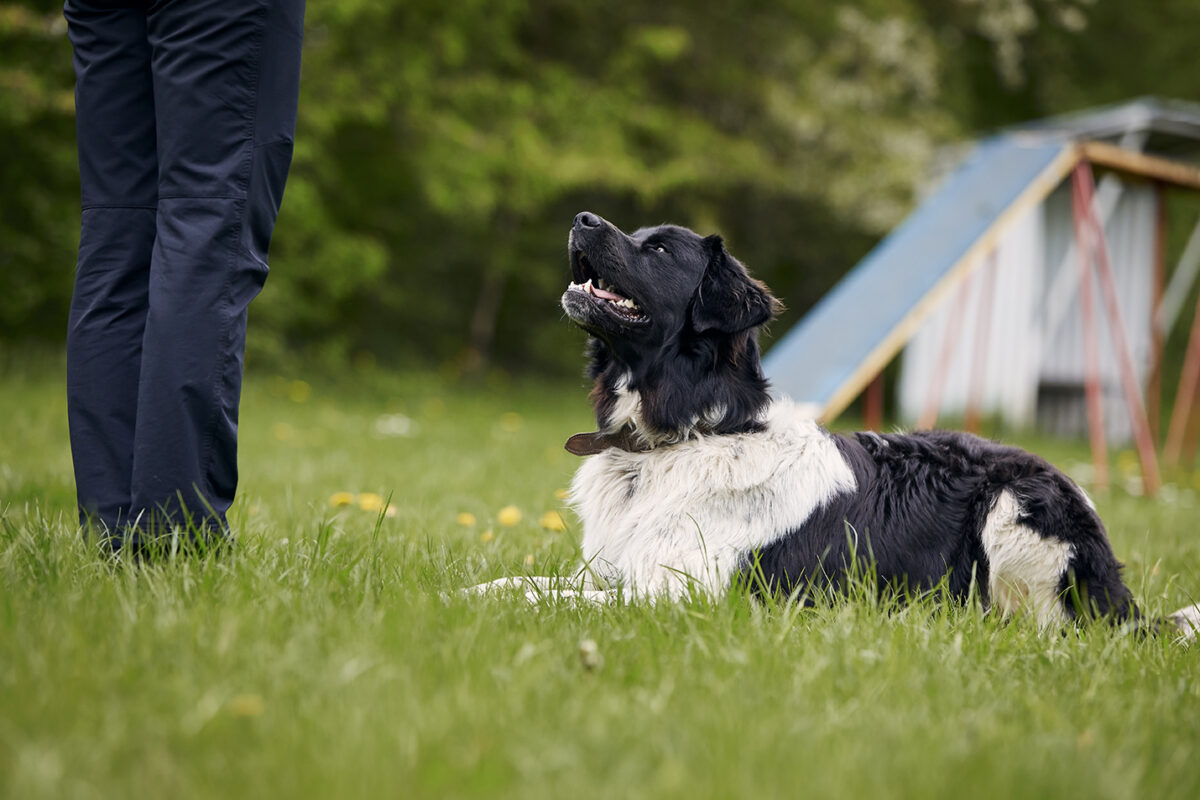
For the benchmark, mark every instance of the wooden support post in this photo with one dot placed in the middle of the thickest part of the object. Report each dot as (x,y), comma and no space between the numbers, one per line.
(873,403)
(1185,395)
(1151,481)
(1157,334)
(983,329)
(1091,352)
(1191,440)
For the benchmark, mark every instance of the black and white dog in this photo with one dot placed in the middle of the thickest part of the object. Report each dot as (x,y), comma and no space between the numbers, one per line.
(697,478)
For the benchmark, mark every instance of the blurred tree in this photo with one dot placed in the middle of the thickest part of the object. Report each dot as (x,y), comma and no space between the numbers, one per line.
(486,119)
(39,182)
(443,148)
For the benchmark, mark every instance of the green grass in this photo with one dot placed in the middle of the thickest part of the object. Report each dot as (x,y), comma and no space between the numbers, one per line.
(330,657)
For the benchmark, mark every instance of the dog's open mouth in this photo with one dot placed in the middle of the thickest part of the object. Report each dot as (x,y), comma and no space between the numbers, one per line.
(587,281)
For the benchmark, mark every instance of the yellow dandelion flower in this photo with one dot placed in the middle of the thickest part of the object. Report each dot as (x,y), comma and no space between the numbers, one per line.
(508,516)
(561,494)
(341,499)
(553,521)
(369,501)
(466,519)
(247,705)
(487,536)
(299,391)
(529,559)
(511,422)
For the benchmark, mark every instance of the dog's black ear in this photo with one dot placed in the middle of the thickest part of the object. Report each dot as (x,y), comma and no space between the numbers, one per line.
(728,299)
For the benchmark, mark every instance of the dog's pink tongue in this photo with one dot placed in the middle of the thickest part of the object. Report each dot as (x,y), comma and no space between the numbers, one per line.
(602,294)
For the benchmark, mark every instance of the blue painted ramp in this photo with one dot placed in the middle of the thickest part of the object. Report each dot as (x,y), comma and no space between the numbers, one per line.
(843,342)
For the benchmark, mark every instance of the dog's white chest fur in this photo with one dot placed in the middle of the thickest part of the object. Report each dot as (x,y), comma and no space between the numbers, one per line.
(691,513)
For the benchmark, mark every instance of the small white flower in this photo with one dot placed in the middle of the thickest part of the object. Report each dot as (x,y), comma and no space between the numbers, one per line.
(589,655)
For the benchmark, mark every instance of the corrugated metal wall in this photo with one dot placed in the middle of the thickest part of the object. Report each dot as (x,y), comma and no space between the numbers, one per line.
(1130,236)
(1031,373)
(1008,380)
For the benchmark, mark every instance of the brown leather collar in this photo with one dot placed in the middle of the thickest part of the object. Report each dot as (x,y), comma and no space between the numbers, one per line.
(589,444)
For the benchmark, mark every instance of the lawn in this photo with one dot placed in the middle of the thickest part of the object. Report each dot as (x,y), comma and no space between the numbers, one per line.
(329,655)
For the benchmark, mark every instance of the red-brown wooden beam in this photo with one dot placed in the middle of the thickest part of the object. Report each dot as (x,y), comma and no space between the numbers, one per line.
(1185,395)
(1157,335)
(1091,351)
(1151,480)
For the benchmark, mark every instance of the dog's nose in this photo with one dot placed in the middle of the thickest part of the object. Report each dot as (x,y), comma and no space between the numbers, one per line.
(587,219)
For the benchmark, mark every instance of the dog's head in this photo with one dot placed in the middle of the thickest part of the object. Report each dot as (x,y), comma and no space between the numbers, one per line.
(674,321)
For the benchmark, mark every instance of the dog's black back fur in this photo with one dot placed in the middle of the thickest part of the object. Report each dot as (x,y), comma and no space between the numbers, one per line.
(916,520)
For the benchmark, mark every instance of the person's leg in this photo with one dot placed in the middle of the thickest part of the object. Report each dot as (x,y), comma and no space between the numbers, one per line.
(118,171)
(226,79)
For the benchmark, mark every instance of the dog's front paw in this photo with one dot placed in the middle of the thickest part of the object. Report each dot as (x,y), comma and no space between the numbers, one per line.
(494,587)
(533,588)
(537,590)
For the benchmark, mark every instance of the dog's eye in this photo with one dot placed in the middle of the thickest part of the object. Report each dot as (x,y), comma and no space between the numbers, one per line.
(658,248)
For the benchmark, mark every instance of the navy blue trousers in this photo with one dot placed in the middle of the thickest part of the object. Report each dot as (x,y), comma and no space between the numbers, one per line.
(186,111)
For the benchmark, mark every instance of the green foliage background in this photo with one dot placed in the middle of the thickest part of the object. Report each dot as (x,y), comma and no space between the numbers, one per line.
(443,148)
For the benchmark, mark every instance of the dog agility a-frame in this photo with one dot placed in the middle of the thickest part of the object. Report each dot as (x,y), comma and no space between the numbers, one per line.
(924,266)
